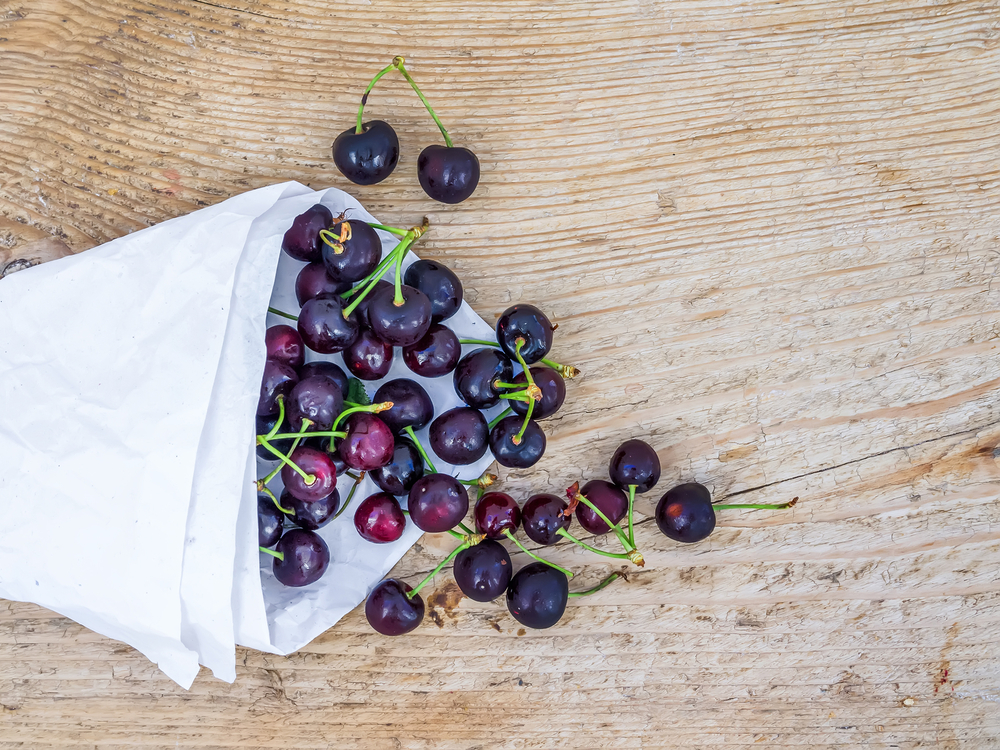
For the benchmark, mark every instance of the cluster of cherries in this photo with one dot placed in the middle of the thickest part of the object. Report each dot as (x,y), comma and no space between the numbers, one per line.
(368,152)
(318,423)
(537,594)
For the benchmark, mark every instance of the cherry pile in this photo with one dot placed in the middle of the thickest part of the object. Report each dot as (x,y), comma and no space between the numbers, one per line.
(368,152)
(317,422)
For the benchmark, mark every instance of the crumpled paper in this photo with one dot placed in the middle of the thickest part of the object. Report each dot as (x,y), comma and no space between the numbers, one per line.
(129,378)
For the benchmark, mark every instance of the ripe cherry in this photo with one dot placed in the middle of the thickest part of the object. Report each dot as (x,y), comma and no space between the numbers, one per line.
(611,501)
(285,345)
(403,324)
(302,240)
(448,174)
(317,399)
(353,258)
(523,454)
(553,389)
(305,558)
(313,281)
(379,518)
(477,375)
(317,463)
(537,595)
(369,442)
(399,475)
(326,369)
(411,406)
(390,611)
(437,502)
(367,157)
(369,357)
(634,462)
(361,311)
(483,570)
(311,514)
(496,512)
(436,354)
(685,513)
(529,323)
(278,380)
(542,517)
(269,521)
(439,283)
(460,436)
(324,328)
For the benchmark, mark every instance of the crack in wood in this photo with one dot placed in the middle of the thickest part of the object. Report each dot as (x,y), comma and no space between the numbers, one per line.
(239,10)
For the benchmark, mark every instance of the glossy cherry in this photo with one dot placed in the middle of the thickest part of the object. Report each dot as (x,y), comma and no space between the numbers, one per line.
(439,283)
(285,345)
(611,501)
(437,502)
(460,436)
(324,328)
(399,475)
(553,389)
(306,558)
(379,518)
(483,570)
(390,611)
(278,380)
(369,357)
(361,311)
(317,463)
(436,354)
(327,369)
(448,174)
(477,375)
(496,512)
(542,517)
(403,324)
(311,514)
(635,462)
(369,442)
(525,322)
(537,595)
(269,521)
(411,406)
(367,157)
(302,240)
(685,513)
(525,453)
(317,399)
(354,258)
(313,281)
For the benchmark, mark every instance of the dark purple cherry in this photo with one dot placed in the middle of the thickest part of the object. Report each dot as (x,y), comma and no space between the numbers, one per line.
(437,502)
(317,463)
(542,517)
(537,595)
(524,454)
(369,357)
(278,380)
(269,521)
(635,462)
(322,444)
(477,374)
(400,325)
(483,570)
(436,354)
(411,406)
(553,389)
(495,512)
(306,558)
(323,326)
(379,518)
(367,157)
(460,436)
(311,514)
(685,513)
(285,345)
(327,369)
(354,258)
(361,311)
(264,426)
(448,174)
(313,281)
(317,399)
(611,501)
(369,442)
(399,475)
(302,240)
(529,323)
(439,283)
(390,611)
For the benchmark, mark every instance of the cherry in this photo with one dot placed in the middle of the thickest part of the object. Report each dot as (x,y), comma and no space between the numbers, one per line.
(379,518)
(611,501)
(314,462)
(460,435)
(436,354)
(317,399)
(477,375)
(411,406)
(403,324)
(305,558)
(399,475)
(367,157)
(496,512)
(269,521)
(525,453)
(685,513)
(368,358)
(278,380)
(525,322)
(323,326)
(448,174)
(361,311)
(313,281)
(390,611)
(264,425)
(369,442)
(634,462)
(439,283)
(553,389)
(437,502)
(353,258)
(483,570)
(285,345)
(327,369)
(542,517)
(537,595)
(302,240)
(311,514)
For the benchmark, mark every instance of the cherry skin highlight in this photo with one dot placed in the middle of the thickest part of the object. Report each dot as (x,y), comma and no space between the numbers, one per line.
(439,283)
(368,157)
(369,442)
(400,325)
(525,322)
(685,513)
(542,517)
(314,462)
(411,406)
(311,514)
(302,240)
(368,358)
(317,399)
(399,475)
(390,611)
(269,522)
(611,501)
(326,369)
(379,519)
(553,389)
(496,512)
(525,453)
(324,328)
(477,375)
(635,462)
(436,354)
(460,436)
(279,380)
(437,502)
(483,570)
(313,281)
(358,256)
(306,558)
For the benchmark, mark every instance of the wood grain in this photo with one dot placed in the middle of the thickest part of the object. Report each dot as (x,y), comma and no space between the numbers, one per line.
(769,232)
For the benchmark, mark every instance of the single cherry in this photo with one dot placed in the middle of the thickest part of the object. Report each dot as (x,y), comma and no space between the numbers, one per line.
(411,406)
(361,311)
(305,558)
(436,354)
(367,157)
(269,521)
(403,324)
(477,375)
(369,357)
(448,174)
(317,463)
(685,513)
(302,240)
(542,517)
(390,611)
(525,322)
(483,570)
(635,462)
(439,283)
(553,389)
(523,454)
(437,502)
(278,380)
(311,514)
(379,518)
(285,345)
(317,399)
(369,442)
(460,436)
(313,281)
(327,369)
(611,501)
(355,257)
(323,326)
(399,475)
(496,512)
(537,595)
(264,425)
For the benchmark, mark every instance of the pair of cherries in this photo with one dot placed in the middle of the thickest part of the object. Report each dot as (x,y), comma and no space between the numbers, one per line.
(368,152)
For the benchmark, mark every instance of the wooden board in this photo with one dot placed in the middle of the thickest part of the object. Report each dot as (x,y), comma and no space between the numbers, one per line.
(769,232)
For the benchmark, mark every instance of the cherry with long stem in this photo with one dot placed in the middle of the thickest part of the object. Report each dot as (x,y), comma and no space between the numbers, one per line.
(274,499)
(618,555)
(575,496)
(631,503)
(567,371)
(499,417)
(286,460)
(282,314)
(529,553)
(606,582)
(350,496)
(398,64)
(395,257)
(359,128)
(273,553)
(448,559)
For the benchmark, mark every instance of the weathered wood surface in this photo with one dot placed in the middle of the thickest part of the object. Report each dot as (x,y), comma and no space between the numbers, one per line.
(770,234)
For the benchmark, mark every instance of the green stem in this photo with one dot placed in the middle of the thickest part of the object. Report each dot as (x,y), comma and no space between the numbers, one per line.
(420,449)
(364,97)
(391,230)
(398,62)
(498,417)
(371,408)
(753,506)
(281,418)
(282,314)
(567,535)
(465,528)
(266,491)
(479,341)
(448,559)
(285,460)
(631,503)
(606,582)
(611,526)
(398,299)
(396,256)
(374,276)
(515,386)
(567,371)
(272,553)
(289,435)
(516,440)
(450,531)
(529,553)
(350,496)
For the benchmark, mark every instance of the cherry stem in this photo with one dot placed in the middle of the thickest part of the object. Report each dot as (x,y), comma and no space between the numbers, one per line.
(350,496)
(337,243)
(395,256)
(479,341)
(289,435)
(567,535)
(285,460)
(529,553)
(281,417)
(398,63)
(272,553)
(465,528)
(498,417)
(611,526)
(266,491)
(631,503)
(364,97)
(531,389)
(370,409)
(282,314)
(567,371)
(420,449)
(448,559)
(398,299)
(782,506)
(606,582)
(486,480)
(391,230)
